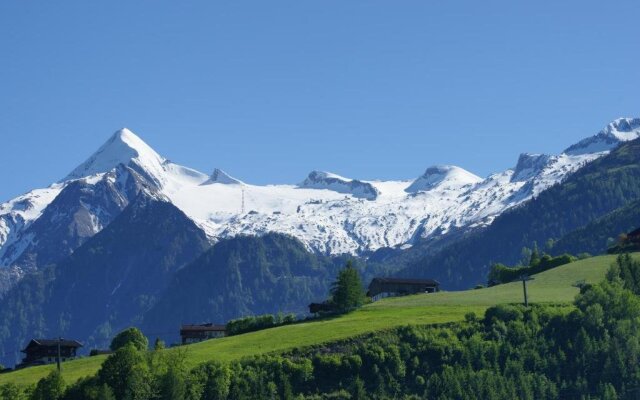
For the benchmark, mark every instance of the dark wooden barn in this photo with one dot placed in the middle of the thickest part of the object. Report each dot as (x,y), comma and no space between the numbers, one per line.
(321,308)
(634,236)
(198,333)
(389,287)
(45,351)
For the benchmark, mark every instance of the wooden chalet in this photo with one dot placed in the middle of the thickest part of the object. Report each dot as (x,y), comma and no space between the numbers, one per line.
(45,351)
(626,243)
(634,236)
(100,352)
(198,333)
(320,308)
(390,287)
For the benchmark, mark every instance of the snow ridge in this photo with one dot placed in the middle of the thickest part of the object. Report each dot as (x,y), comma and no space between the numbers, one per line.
(219,176)
(616,132)
(440,175)
(329,213)
(337,183)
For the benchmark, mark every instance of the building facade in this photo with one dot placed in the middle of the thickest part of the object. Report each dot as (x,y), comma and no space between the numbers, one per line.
(198,333)
(380,288)
(45,351)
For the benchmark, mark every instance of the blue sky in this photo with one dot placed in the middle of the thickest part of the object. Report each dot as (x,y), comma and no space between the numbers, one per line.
(269,90)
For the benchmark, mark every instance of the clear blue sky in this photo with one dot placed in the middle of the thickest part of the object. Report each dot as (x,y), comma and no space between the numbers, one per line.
(269,90)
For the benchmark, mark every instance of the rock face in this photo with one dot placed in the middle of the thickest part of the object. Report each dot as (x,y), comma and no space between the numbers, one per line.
(219,176)
(76,214)
(529,165)
(337,183)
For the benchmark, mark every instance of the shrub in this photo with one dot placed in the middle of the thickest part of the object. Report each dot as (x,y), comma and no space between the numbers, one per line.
(129,336)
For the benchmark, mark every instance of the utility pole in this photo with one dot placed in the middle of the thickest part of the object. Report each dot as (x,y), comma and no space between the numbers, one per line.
(58,360)
(524,279)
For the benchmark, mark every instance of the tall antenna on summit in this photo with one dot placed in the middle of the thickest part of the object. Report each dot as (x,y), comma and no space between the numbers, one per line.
(242,209)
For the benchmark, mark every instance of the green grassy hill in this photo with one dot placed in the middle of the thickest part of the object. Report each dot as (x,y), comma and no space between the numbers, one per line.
(553,286)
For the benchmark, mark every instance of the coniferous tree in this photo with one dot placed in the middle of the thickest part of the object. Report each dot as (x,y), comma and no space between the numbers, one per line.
(159,344)
(535,256)
(347,292)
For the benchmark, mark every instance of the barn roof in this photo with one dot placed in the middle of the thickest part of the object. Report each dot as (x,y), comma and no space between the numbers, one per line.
(634,233)
(203,328)
(406,281)
(52,342)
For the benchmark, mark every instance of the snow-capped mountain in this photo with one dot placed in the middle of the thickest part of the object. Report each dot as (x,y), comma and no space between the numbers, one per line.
(442,175)
(329,213)
(620,130)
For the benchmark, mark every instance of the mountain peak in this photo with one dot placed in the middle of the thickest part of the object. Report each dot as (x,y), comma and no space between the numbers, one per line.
(617,131)
(529,165)
(219,176)
(624,129)
(340,184)
(438,175)
(123,147)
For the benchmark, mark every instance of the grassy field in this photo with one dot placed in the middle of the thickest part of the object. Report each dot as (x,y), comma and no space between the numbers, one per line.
(554,286)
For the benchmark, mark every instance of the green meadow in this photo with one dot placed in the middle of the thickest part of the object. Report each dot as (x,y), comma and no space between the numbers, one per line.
(553,286)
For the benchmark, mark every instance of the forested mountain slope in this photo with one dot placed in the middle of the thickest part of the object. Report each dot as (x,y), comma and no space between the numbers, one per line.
(246,275)
(107,284)
(597,236)
(595,190)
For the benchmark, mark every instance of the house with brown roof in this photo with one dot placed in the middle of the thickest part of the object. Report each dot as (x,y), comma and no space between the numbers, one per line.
(198,333)
(45,351)
(380,288)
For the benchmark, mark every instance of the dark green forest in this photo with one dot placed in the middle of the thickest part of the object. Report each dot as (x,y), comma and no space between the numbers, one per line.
(597,236)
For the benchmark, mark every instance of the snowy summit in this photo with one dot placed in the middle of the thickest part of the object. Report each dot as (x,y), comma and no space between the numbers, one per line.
(443,175)
(618,131)
(123,147)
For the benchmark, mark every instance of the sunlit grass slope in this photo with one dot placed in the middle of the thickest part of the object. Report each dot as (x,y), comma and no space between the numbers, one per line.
(553,286)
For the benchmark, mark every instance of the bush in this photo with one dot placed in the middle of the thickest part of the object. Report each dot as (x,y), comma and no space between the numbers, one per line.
(50,387)
(501,273)
(10,391)
(259,322)
(129,336)
(121,370)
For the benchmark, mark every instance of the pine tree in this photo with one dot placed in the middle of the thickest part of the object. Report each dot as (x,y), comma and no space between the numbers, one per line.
(347,292)
(535,256)
(159,344)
